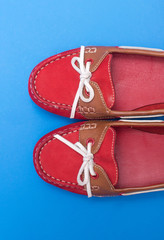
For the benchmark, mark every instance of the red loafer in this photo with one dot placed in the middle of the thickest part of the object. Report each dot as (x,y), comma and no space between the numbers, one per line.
(100,82)
(103,158)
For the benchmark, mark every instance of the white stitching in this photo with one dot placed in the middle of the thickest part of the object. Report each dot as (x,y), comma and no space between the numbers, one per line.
(101,138)
(86,110)
(112,148)
(65,108)
(100,60)
(110,184)
(39,162)
(42,150)
(112,153)
(109,72)
(35,84)
(101,96)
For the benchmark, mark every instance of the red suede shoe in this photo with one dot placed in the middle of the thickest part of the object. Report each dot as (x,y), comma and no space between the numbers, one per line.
(100,82)
(103,158)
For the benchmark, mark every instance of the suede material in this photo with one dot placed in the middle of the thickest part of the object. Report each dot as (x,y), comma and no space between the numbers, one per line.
(54,82)
(50,159)
(139,156)
(38,88)
(61,161)
(58,81)
(58,164)
(133,80)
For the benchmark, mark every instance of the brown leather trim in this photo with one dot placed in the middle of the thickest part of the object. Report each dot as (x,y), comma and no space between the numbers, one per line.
(102,186)
(136,113)
(93,130)
(139,189)
(96,129)
(137,51)
(98,110)
(94,124)
(98,104)
(98,53)
(136,124)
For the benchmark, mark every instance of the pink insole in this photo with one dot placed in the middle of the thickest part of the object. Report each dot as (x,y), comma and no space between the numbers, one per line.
(138,81)
(140,158)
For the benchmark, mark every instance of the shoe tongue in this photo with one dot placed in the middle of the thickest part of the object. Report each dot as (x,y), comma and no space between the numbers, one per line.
(103,148)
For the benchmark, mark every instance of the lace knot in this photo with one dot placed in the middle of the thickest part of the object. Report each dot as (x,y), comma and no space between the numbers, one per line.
(88,157)
(85,76)
(86,168)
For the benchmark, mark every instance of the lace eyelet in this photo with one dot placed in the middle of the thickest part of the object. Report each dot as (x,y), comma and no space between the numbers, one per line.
(87,93)
(89,60)
(90,140)
(95,177)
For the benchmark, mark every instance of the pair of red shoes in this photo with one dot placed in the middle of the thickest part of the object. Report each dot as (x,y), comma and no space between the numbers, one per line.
(102,157)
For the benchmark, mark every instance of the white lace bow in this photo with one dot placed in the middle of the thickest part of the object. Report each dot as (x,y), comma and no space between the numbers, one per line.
(85,76)
(86,168)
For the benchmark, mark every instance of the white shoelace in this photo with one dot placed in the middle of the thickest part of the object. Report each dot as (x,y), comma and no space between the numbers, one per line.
(85,76)
(87,165)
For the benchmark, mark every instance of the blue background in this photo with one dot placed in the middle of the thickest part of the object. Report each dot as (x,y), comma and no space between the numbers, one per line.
(30,32)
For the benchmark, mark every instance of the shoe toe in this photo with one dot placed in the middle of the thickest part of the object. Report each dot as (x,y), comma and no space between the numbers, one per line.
(53,83)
